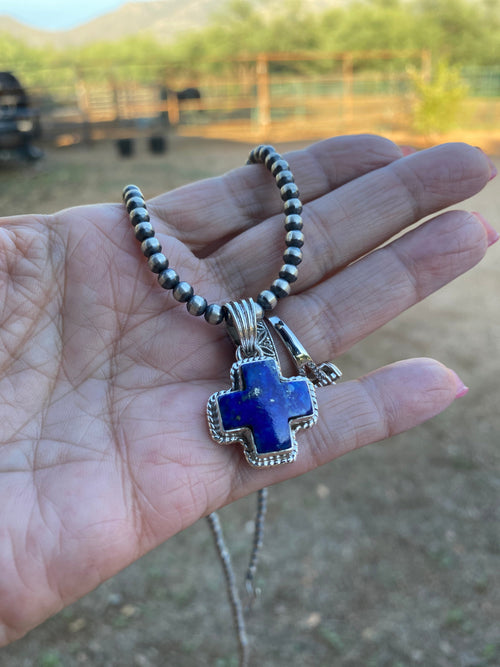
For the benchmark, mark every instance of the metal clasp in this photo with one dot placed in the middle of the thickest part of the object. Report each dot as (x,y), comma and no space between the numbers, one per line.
(321,374)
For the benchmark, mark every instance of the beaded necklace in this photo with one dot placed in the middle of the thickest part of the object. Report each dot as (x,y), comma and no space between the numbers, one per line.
(262,410)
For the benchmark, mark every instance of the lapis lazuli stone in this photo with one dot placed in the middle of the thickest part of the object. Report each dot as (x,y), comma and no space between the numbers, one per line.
(266,404)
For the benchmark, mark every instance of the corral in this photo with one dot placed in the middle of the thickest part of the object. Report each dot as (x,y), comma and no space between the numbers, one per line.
(268,96)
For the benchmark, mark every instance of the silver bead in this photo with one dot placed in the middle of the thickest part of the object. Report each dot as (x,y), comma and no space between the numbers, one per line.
(127,188)
(295,238)
(292,255)
(271,159)
(267,299)
(196,305)
(168,278)
(138,215)
(278,166)
(143,230)
(157,262)
(289,191)
(252,159)
(281,288)
(134,202)
(293,206)
(214,314)
(132,192)
(289,272)
(183,291)
(150,246)
(292,222)
(259,311)
(284,177)
(261,152)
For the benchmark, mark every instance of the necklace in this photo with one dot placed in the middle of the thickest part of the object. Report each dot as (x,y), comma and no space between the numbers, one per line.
(262,410)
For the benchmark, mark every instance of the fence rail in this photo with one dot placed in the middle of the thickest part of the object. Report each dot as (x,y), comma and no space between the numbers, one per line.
(357,91)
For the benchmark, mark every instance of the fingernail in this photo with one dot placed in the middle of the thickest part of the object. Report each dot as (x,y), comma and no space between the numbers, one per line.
(408,150)
(491,234)
(461,388)
(493,169)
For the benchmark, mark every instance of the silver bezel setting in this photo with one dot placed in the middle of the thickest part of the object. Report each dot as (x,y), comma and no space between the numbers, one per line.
(245,435)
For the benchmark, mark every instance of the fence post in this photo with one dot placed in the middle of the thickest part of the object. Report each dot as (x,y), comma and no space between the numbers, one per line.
(263,92)
(173,107)
(115,97)
(347,89)
(83,103)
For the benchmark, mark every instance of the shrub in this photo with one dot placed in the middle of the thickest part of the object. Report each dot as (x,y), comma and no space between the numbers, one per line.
(438,100)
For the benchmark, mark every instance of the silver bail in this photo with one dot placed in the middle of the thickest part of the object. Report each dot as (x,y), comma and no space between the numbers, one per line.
(321,374)
(241,325)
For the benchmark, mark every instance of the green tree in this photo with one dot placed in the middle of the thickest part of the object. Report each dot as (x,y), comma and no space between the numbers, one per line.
(465,32)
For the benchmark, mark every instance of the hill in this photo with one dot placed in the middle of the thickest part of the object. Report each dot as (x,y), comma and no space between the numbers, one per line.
(164,19)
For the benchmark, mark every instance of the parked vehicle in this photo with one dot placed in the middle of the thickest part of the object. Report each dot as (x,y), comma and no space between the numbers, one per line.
(19,121)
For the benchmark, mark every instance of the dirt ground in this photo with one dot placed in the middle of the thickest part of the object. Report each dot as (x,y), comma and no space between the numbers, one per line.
(388,557)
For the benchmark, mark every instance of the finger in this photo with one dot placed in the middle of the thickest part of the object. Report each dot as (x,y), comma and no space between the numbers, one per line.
(345,224)
(344,309)
(332,316)
(388,401)
(207,212)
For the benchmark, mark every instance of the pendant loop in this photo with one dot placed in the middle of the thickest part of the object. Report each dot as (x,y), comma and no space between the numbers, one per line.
(241,325)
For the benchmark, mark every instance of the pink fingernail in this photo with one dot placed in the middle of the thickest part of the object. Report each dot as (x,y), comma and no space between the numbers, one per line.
(408,150)
(491,233)
(461,388)
(493,169)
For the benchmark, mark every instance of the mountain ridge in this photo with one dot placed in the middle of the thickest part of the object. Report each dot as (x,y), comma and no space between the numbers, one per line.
(163,19)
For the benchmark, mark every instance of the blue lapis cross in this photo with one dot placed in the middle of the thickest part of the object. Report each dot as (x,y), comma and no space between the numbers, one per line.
(263,410)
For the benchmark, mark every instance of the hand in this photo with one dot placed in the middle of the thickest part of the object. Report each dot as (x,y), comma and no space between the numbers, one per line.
(105,450)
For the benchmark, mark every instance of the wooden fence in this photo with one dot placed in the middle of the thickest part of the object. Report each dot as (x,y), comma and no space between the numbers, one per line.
(252,92)
(268,96)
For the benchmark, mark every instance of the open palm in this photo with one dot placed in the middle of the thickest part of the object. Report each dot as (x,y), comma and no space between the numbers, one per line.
(104,447)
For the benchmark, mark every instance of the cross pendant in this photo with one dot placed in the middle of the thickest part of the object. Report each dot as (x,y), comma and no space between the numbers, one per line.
(262,410)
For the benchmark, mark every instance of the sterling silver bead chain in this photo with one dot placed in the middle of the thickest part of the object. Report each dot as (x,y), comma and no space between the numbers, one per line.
(182,291)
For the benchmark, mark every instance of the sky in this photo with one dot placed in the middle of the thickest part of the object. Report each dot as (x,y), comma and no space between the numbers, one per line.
(57,14)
